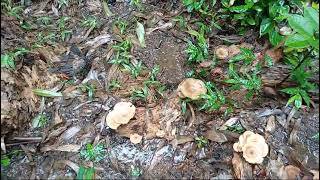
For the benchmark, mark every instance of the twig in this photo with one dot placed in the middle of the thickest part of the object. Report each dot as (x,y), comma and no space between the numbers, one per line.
(193,116)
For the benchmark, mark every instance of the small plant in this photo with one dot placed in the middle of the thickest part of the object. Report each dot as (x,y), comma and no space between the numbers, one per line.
(85,173)
(197,52)
(8,60)
(39,121)
(65,34)
(201,142)
(45,20)
(181,20)
(246,55)
(50,38)
(193,4)
(62,23)
(140,94)
(214,99)
(5,161)
(11,10)
(93,153)
(237,128)
(135,171)
(136,3)
(316,136)
(90,22)
(122,25)
(63,3)
(251,82)
(114,84)
(135,70)
(90,89)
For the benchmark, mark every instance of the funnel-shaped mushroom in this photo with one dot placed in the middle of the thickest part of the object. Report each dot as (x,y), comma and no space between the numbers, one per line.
(121,114)
(222,52)
(253,146)
(191,88)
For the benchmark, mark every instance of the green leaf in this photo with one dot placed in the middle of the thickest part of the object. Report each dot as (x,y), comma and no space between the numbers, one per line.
(140,33)
(274,37)
(297,41)
(313,17)
(301,25)
(314,43)
(269,60)
(46,93)
(298,101)
(305,97)
(266,26)
(291,91)
(7,61)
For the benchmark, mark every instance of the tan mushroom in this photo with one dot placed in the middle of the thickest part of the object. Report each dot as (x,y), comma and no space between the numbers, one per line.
(221,52)
(253,146)
(121,114)
(315,174)
(233,50)
(135,138)
(191,88)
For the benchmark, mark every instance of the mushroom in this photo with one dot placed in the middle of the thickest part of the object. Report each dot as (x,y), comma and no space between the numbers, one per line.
(121,114)
(315,174)
(191,88)
(253,146)
(222,52)
(135,138)
(289,172)
(233,50)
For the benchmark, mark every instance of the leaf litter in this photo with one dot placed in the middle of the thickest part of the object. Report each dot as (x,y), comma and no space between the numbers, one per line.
(66,120)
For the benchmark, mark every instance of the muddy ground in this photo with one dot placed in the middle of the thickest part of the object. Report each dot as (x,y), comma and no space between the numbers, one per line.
(75,121)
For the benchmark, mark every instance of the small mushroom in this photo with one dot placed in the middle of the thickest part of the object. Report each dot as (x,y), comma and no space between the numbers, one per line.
(222,52)
(253,146)
(135,138)
(121,114)
(191,88)
(233,50)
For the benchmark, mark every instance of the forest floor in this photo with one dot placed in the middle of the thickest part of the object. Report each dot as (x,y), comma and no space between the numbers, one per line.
(51,137)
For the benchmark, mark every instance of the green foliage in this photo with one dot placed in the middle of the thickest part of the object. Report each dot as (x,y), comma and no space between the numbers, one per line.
(90,22)
(8,60)
(122,25)
(8,7)
(201,142)
(114,84)
(65,34)
(5,161)
(237,128)
(135,70)
(63,3)
(85,173)
(181,20)
(39,121)
(89,88)
(136,3)
(45,20)
(140,94)
(46,93)
(135,171)
(246,55)
(93,153)
(251,82)
(193,4)
(214,98)
(316,136)
(306,28)
(62,23)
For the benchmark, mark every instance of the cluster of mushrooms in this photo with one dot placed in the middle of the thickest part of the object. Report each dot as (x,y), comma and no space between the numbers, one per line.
(253,146)
(121,114)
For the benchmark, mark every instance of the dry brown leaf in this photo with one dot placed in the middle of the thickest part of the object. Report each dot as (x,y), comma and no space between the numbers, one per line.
(205,64)
(65,148)
(48,55)
(242,169)
(215,136)
(275,54)
(72,165)
(229,123)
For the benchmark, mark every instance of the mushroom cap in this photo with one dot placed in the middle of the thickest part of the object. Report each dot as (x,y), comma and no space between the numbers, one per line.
(135,138)
(111,120)
(233,50)
(315,174)
(123,112)
(221,52)
(192,88)
(252,154)
(260,142)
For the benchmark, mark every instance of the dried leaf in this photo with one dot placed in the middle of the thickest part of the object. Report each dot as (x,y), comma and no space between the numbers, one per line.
(65,148)
(140,33)
(215,136)
(164,26)
(241,168)
(3,145)
(99,40)
(71,164)
(229,123)
(71,132)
